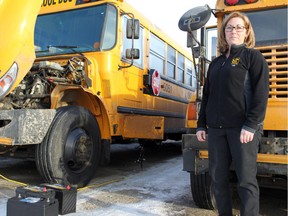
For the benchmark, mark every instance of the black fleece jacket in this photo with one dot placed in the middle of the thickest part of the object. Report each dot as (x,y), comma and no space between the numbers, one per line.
(236,91)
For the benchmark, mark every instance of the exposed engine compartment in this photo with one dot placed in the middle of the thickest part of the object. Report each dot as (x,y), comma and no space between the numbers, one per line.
(34,90)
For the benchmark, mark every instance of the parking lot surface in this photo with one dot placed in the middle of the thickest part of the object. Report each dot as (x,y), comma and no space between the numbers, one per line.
(123,188)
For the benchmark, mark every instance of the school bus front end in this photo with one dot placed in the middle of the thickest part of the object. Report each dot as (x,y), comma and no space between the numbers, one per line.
(92,82)
(55,90)
(269,21)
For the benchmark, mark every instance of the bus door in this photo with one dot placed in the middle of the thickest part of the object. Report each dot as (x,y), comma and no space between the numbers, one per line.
(132,74)
(131,101)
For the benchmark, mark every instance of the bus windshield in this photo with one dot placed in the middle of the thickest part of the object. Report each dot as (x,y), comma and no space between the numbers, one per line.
(82,30)
(270,26)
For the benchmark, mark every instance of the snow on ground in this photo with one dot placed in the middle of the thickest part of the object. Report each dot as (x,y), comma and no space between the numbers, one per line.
(160,190)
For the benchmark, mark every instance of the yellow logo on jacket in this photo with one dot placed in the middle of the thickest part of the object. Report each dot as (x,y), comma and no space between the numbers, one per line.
(235,61)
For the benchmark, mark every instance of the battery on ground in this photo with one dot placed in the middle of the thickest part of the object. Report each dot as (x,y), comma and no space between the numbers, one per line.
(33,201)
(66,196)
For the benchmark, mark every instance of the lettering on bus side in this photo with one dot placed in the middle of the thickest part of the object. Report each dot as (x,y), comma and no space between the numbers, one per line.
(53,2)
(189,95)
(167,88)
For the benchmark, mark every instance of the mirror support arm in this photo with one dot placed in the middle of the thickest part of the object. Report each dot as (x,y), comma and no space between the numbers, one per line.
(120,67)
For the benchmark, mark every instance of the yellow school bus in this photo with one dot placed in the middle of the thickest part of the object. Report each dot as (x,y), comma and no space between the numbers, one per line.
(269,21)
(96,71)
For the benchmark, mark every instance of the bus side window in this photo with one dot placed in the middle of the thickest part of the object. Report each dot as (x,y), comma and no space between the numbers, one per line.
(180,68)
(171,62)
(127,44)
(190,78)
(157,54)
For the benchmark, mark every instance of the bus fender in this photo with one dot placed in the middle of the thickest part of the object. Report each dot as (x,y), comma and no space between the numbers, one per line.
(63,94)
(96,105)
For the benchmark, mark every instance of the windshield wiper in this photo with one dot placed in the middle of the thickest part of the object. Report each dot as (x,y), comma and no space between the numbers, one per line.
(60,47)
(66,47)
(71,48)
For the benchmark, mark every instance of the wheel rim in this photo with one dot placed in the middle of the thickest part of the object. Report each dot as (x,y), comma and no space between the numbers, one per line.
(78,150)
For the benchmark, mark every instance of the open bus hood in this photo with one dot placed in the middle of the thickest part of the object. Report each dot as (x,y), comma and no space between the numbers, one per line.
(17,22)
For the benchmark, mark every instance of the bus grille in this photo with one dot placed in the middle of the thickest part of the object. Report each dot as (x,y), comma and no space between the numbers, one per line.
(277,59)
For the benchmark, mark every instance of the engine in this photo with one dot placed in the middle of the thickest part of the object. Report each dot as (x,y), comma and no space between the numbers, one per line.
(34,90)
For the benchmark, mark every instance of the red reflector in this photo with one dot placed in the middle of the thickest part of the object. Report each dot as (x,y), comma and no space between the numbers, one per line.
(231,2)
(192,111)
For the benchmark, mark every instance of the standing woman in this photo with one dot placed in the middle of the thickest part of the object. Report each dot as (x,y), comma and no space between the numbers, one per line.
(233,108)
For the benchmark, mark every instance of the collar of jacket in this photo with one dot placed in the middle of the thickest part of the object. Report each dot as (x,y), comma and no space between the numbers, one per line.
(234,48)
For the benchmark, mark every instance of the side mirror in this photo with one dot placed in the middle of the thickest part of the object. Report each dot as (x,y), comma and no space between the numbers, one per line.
(132,53)
(194,18)
(133,29)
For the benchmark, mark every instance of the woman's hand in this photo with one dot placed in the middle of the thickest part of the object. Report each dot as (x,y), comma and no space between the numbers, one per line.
(246,136)
(201,135)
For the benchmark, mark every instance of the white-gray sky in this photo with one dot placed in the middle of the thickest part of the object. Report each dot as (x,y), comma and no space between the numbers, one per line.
(166,14)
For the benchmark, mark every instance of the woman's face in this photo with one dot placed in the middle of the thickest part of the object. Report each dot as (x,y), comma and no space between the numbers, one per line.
(235,31)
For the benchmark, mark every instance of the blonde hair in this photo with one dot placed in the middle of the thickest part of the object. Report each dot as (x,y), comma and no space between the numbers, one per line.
(249,39)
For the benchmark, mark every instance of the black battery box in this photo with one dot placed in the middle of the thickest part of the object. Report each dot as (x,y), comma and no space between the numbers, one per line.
(66,196)
(33,201)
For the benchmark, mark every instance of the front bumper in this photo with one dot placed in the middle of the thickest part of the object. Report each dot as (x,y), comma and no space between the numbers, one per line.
(24,126)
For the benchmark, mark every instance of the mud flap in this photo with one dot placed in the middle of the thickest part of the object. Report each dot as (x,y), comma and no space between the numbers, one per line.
(190,152)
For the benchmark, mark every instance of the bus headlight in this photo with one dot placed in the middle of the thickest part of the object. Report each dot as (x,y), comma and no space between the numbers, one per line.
(8,80)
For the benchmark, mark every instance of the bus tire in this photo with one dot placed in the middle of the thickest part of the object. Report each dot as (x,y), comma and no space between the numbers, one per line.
(70,152)
(202,191)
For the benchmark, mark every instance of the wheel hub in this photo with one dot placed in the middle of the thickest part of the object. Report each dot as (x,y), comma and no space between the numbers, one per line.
(78,150)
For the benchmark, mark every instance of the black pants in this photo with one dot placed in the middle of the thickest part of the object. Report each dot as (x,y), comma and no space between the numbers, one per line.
(225,147)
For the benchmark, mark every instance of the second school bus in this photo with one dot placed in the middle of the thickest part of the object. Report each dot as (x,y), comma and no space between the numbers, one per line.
(102,72)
